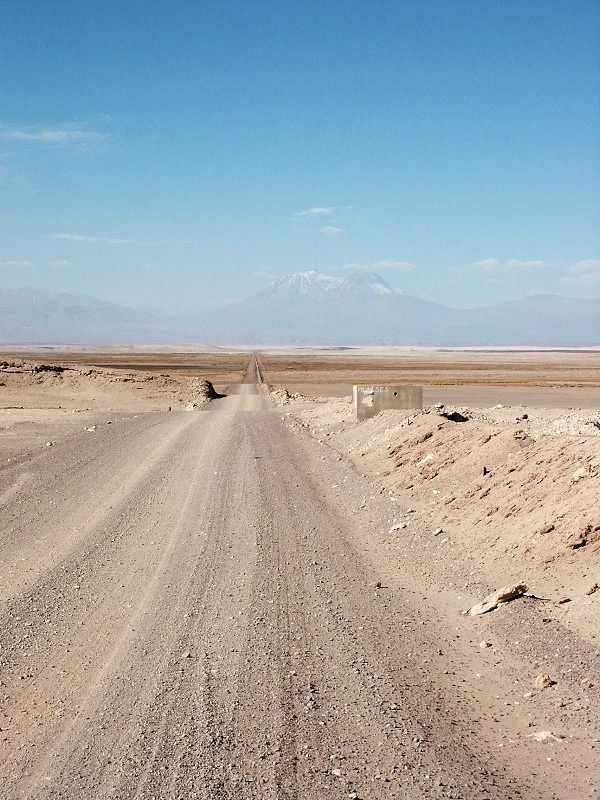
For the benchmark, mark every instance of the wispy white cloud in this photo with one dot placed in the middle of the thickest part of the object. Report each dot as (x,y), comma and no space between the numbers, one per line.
(495,265)
(61,263)
(263,274)
(332,230)
(60,136)
(584,273)
(514,263)
(77,237)
(486,263)
(315,212)
(585,266)
(384,264)
(17,264)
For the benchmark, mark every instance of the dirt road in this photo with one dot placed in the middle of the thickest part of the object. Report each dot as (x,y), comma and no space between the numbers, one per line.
(190,610)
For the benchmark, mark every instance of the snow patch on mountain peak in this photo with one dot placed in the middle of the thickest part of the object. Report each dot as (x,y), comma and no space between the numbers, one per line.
(314,284)
(301,284)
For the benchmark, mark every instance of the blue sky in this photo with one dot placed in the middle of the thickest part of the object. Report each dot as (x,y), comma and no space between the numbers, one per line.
(182,155)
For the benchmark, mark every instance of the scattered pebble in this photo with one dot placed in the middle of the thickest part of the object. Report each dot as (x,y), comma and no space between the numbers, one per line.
(397,527)
(544,736)
(543,681)
(501,596)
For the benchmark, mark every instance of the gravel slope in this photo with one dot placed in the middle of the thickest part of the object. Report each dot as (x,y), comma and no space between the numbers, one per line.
(190,610)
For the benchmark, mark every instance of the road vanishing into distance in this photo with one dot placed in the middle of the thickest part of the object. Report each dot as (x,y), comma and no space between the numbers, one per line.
(189,610)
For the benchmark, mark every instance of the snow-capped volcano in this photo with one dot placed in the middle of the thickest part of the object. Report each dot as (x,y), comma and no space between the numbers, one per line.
(315,285)
(309,307)
(300,284)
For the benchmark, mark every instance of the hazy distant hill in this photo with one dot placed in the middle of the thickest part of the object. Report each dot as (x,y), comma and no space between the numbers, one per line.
(539,320)
(304,308)
(41,317)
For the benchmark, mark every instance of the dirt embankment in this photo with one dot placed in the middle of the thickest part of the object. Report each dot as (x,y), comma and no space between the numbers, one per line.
(30,384)
(499,494)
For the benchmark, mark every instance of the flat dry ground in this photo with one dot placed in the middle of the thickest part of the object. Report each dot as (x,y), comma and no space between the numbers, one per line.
(463,377)
(552,378)
(218,603)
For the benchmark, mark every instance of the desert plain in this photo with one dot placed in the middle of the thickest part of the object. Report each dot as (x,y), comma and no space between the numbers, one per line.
(246,593)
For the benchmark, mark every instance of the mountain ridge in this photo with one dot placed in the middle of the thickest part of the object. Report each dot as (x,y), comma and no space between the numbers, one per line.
(305,308)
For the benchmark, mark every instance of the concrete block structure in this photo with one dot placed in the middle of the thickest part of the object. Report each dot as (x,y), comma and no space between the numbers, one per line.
(370,400)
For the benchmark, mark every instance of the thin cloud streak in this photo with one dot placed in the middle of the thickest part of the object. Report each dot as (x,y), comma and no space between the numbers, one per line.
(61,136)
(516,264)
(486,263)
(315,212)
(77,237)
(19,264)
(494,264)
(332,230)
(378,266)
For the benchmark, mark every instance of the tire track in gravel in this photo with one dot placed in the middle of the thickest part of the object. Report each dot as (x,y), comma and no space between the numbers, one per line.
(354,717)
(108,597)
(13,489)
(89,483)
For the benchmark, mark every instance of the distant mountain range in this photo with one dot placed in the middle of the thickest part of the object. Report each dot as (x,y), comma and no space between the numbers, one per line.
(28,316)
(306,308)
(310,308)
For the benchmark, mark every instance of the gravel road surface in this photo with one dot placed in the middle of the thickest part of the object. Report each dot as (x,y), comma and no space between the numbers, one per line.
(189,611)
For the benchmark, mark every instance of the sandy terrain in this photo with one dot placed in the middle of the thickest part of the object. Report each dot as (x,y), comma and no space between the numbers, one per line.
(253,600)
